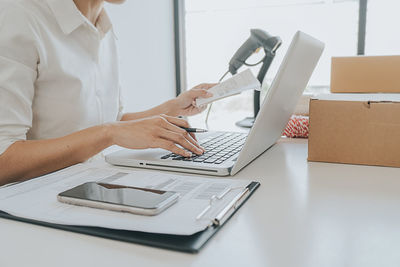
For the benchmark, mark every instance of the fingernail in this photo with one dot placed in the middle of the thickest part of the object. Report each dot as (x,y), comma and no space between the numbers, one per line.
(209,94)
(199,151)
(188,154)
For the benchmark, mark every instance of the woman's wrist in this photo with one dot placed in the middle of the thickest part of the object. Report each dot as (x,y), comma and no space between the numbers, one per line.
(108,133)
(169,108)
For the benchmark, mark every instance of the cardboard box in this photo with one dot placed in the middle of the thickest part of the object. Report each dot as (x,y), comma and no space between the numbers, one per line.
(356,129)
(365,74)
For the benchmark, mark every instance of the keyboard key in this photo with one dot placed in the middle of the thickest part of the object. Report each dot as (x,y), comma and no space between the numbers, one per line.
(210,160)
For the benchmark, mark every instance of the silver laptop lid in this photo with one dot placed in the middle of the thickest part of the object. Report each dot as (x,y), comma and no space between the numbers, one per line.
(282,97)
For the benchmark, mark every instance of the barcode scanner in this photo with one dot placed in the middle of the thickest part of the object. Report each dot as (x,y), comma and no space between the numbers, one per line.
(257,40)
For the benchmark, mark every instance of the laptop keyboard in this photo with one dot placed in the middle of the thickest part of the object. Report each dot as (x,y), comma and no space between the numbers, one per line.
(219,148)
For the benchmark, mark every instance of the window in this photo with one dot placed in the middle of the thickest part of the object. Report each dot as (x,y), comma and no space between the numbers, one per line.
(214,30)
(382,36)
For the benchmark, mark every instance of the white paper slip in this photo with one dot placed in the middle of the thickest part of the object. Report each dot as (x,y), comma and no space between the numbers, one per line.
(37,199)
(239,83)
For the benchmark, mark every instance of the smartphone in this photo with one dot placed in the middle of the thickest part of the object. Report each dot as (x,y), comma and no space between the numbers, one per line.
(114,197)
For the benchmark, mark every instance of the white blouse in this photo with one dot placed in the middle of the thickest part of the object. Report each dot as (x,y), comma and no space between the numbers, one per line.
(58,73)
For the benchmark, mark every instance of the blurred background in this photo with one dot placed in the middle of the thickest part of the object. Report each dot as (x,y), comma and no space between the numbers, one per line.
(212,30)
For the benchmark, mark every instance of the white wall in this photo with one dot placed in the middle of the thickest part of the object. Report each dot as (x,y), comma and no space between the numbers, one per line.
(146,46)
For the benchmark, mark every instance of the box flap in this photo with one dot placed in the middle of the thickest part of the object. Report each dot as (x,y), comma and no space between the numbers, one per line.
(359,97)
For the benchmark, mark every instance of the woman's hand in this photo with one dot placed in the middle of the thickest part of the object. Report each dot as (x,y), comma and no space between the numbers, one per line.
(156,132)
(185,103)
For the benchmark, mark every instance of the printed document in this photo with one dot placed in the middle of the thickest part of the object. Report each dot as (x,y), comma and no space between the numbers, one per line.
(37,199)
(237,84)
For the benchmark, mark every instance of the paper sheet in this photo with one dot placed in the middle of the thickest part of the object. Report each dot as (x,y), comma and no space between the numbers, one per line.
(37,199)
(237,84)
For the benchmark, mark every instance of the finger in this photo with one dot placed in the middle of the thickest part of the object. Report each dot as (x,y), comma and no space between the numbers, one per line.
(197,109)
(205,86)
(193,139)
(193,136)
(176,121)
(200,93)
(186,137)
(181,140)
(200,108)
(168,145)
(172,126)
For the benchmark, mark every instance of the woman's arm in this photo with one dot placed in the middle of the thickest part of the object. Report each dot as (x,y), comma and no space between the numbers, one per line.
(164,108)
(183,105)
(27,159)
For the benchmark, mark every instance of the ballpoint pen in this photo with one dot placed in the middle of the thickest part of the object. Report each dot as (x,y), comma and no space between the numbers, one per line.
(194,130)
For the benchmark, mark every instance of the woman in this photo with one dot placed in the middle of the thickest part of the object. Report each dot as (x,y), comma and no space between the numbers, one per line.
(59,93)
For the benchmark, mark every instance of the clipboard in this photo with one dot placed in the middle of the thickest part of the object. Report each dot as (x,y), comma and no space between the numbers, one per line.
(189,244)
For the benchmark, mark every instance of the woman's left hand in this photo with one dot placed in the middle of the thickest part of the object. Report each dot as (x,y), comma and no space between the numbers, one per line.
(185,103)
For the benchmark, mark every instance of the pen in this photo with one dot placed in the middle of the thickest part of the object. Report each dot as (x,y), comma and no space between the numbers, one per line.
(194,130)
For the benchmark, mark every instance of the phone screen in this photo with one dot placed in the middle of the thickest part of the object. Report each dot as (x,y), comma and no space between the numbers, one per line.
(120,195)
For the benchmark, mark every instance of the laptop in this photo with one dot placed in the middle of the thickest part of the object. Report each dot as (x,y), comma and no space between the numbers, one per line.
(228,152)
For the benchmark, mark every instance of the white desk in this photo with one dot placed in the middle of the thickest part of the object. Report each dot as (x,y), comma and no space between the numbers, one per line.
(304,214)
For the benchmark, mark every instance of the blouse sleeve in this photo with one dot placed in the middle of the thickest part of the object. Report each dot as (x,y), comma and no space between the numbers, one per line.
(18,72)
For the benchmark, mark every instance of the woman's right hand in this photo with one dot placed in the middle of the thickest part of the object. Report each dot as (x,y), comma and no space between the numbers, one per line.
(156,132)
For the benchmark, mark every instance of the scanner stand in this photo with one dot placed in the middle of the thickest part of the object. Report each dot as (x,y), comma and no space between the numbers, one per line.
(249,121)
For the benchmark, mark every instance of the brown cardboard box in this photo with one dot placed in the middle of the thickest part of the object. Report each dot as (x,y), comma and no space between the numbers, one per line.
(365,74)
(355,132)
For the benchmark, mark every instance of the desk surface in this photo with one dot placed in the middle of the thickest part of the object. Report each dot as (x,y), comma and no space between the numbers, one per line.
(304,214)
